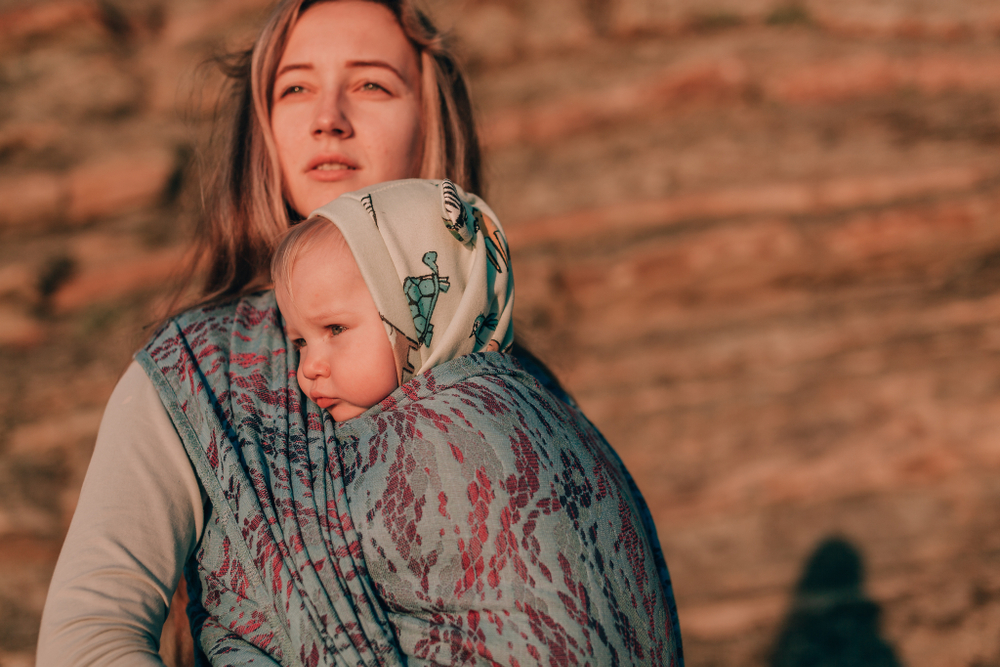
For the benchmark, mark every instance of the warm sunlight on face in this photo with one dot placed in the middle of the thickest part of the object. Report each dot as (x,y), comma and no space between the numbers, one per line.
(346,110)
(346,364)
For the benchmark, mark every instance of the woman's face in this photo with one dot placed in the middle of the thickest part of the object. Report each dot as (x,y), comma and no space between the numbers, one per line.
(346,106)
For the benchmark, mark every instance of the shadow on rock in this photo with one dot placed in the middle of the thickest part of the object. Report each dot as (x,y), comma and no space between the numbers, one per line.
(831,622)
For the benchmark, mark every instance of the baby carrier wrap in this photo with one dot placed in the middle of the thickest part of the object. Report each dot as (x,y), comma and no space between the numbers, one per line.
(472,517)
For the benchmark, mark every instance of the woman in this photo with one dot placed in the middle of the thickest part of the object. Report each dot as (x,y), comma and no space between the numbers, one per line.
(335,96)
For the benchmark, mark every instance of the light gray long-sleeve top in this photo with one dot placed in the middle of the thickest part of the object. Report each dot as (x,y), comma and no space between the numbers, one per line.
(139,517)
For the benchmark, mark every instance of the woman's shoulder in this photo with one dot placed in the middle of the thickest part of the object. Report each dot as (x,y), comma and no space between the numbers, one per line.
(239,342)
(221,325)
(245,311)
(541,373)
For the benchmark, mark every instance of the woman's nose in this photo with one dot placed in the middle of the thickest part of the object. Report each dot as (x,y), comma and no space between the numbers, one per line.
(331,116)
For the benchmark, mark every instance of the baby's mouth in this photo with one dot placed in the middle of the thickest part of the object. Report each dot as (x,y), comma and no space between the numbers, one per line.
(324,401)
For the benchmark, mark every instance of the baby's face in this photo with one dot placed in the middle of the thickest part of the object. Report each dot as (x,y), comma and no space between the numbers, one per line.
(346,364)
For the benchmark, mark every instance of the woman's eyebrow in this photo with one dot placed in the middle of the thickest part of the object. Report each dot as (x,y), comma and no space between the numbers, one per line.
(352,64)
(292,66)
(376,63)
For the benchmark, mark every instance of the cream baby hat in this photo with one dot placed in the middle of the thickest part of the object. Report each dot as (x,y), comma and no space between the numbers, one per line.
(436,262)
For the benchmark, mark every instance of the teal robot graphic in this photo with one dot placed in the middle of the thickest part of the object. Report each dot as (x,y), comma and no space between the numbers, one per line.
(422,294)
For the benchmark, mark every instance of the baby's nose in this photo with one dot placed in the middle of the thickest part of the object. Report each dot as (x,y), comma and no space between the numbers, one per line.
(314,366)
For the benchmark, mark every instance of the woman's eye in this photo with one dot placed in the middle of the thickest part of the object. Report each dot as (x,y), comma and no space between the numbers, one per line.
(370,86)
(336,329)
(292,90)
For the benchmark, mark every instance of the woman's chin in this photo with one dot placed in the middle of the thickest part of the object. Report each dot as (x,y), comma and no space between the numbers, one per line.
(324,192)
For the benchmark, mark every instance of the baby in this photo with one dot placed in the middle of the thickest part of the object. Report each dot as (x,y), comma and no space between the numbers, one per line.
(381,285)
(493,522)
(345,362)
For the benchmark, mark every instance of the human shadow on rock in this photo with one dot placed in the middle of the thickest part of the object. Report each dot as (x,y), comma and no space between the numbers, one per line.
(831,622)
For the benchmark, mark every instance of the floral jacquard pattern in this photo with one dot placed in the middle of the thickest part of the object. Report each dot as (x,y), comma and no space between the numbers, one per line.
(470,518)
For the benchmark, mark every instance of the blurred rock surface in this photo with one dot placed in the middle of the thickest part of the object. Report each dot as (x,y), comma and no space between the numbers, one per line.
(759,241)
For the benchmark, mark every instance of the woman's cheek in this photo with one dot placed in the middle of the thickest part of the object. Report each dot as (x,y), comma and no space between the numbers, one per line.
(400,141)
(290,130)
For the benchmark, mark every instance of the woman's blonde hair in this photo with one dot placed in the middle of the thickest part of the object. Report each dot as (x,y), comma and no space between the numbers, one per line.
(246,212)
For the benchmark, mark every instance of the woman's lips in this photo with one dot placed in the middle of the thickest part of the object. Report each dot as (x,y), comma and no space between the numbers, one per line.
(331,168)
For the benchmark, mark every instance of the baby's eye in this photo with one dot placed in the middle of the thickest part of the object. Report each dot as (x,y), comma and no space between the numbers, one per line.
(298,343)
(336,329)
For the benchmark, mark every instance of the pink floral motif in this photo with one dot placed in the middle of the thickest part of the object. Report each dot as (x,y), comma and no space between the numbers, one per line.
(473,517)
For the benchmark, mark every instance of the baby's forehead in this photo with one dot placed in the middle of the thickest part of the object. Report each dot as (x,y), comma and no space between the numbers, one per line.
(324,288)
(328,240)
(315,234)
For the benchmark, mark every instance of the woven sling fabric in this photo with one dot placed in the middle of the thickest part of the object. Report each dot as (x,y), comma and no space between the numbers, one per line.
(472,517)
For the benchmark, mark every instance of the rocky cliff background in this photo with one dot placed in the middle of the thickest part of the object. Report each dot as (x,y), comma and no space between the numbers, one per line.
(759,241)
